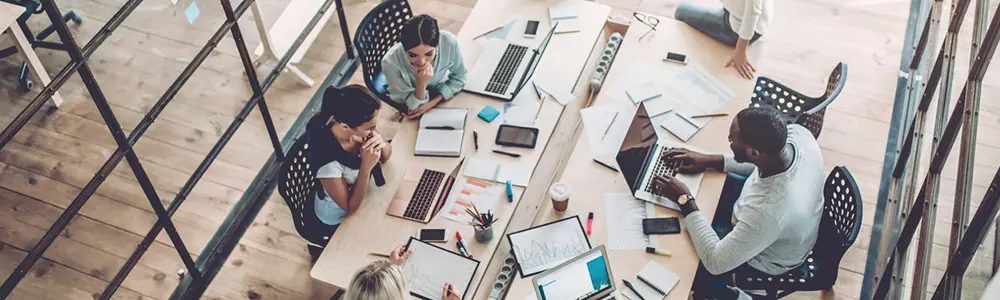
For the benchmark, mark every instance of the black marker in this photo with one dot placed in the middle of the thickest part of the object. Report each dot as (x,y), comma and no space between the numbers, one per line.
(606,165)
(515,155)
(475,139)
(440,127)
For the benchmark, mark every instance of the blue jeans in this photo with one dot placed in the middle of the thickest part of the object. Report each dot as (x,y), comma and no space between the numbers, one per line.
(713,21)
(706,285)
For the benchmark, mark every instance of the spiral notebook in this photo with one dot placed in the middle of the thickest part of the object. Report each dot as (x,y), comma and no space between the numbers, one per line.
(653,282)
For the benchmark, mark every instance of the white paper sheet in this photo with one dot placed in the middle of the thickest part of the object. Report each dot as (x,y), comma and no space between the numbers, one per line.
(643,91)
(520,113)
(469,191)
(623,217)
(546,246)
(561,93)
(595,122)
(428,268)
(482,168)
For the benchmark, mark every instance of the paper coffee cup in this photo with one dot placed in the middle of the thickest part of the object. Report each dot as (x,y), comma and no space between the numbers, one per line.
(560,196)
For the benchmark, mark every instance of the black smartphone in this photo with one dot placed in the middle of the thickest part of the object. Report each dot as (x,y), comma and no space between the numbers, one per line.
(676,57)
(517,136)
(433,235)
(531,29)
(670,225)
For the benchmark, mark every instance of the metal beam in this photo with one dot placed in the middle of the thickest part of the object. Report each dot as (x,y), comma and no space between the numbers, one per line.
(972,238)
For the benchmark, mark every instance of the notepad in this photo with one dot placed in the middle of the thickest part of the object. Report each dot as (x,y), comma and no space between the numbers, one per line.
(520,113)
(655,281)
(495,171)
(681,125)
(565,14)
(429,267)
(442,131)
(643,91)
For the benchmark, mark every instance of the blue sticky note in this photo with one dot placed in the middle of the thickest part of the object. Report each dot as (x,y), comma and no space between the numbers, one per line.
(192,12)
(488,113)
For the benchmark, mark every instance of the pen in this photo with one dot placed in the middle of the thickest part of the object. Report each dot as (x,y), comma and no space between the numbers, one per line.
(510,192)
(515,155)
(440,127)
(629,285)
(538,92)
(540,104)
(378,254)
(590,223)
(710,115)
(606,165)
(609,126)
(658,251)
(475,139)
(461,244)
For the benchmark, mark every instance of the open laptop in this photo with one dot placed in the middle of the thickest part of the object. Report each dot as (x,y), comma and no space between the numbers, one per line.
(504,68)
(422,193)
(584,277)
(639,161)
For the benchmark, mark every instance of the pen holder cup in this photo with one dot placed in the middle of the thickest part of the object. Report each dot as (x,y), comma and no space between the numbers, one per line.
(484,235)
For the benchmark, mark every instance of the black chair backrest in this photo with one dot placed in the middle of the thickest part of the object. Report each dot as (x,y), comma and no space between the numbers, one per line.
(796,107)
(297,185)
(842,211)
(378,31)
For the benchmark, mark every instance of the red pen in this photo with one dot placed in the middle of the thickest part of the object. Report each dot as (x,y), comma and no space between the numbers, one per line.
(590,223)
(461,245)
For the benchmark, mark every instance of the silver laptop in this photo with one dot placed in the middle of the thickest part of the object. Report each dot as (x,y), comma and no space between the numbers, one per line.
(504,68)
(639,160)
(584,277)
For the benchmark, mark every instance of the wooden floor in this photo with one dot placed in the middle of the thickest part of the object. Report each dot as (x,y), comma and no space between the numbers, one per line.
(49,161)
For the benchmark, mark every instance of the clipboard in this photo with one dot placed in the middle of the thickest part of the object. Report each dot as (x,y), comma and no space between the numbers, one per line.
(426,278)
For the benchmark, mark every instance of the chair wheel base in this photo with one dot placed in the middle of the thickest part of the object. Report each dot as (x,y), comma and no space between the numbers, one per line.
(26,85)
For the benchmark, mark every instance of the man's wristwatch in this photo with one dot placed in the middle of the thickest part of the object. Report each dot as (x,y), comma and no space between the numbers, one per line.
(683,199)
(686,202)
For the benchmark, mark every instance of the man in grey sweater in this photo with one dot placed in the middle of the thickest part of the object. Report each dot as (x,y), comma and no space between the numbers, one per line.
(767,223)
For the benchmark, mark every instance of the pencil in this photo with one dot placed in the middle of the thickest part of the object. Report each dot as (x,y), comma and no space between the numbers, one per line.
(540,103)
(609,125)
(477,212)
(378,254)
(710,115)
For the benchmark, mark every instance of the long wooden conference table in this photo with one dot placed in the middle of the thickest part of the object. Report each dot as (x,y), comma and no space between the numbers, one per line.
(567,60)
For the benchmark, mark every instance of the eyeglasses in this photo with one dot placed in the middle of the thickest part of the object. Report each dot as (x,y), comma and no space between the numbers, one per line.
(650,21)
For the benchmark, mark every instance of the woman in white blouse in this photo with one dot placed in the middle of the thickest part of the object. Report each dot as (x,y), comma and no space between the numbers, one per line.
(344,146)
(738,23)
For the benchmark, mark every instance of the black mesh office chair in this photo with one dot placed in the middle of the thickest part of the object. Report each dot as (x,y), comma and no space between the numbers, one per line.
(298,186)
(378,31)
(36,41)
(837,231)
(796,107)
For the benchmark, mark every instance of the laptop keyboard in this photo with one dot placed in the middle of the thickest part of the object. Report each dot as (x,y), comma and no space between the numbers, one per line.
(662,167)
(504,72)
(423,197)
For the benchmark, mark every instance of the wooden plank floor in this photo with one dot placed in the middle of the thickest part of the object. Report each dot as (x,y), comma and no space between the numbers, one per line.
(59,151)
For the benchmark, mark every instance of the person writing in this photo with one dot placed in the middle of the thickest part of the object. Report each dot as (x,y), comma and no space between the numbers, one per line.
(383,280)
(769,212)
(344,147)
(424,68)
(737,24)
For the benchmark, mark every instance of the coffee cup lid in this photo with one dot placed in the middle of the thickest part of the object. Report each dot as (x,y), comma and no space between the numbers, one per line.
(559,192)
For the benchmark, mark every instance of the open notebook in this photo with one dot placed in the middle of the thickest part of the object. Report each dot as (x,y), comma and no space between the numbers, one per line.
(441,132)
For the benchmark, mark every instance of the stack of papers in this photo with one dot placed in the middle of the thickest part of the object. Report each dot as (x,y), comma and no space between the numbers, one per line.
(649,93)
(494,171)
(697,92)
(565,14)
(624,214)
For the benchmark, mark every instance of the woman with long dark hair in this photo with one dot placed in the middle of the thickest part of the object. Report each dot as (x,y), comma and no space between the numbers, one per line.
(424,68)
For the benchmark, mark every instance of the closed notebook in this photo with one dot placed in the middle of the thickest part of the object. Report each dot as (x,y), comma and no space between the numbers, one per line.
(655,281)
(441,132)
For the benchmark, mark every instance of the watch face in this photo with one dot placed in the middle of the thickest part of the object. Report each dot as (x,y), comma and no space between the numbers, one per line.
(683,199)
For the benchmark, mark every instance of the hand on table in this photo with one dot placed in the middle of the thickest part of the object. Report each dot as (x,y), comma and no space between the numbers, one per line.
(422,109)
(670,187)
(448,292)
(398,256)
(739,61)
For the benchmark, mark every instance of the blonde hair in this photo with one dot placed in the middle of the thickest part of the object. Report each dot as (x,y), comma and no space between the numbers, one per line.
(379,280)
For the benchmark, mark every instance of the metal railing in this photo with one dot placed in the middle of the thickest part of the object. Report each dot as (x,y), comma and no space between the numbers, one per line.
(200,274)
(901,208)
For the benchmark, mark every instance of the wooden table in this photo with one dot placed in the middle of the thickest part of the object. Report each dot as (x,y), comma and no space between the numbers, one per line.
(589,182)
(8,22)
(371,230)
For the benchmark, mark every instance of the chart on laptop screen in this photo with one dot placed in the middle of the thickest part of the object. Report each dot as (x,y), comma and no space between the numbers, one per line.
(586,277)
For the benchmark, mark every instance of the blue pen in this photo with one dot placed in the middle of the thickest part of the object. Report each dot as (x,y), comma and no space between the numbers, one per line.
(510,192)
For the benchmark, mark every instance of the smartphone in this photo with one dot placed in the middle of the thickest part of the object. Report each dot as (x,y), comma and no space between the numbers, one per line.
(670,225)
(433,235)
(531,29)
(517,136)
(676,57)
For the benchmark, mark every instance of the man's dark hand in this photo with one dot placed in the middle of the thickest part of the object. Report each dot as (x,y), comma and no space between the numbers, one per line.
(670,187)
(692,162)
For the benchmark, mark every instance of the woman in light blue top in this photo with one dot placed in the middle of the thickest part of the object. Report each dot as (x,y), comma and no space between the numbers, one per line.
(425,67)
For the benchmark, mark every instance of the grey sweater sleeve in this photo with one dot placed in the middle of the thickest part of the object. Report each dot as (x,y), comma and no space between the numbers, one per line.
(732,166)
(756,230)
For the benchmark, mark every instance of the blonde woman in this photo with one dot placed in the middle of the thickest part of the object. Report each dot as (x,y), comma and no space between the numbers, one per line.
(383,280)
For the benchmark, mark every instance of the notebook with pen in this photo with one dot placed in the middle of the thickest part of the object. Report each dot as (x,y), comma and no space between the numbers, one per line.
(441,133)
(653,282)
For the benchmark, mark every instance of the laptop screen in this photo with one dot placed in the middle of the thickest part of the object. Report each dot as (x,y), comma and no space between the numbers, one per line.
(535,61)
(584,277)
(639,140)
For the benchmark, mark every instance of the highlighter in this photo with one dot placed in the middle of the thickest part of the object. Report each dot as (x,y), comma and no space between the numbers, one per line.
(510,192)
(663,252)
(590,223)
